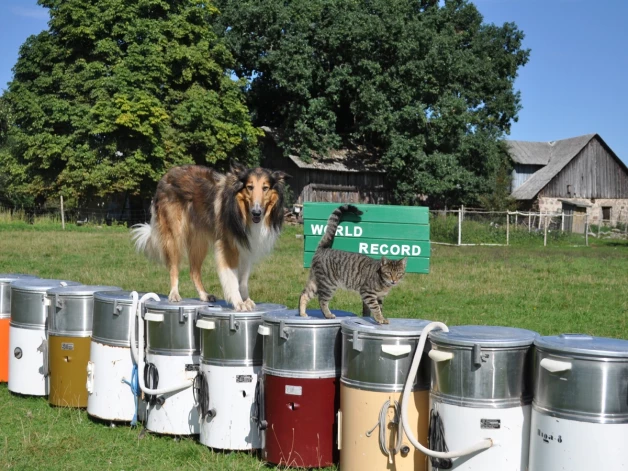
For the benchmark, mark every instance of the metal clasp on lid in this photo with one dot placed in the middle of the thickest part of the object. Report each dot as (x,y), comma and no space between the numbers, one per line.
(233,324)
(58,302)
(358,343)
(116,309)
(183,316)
(283,332)
(477,355)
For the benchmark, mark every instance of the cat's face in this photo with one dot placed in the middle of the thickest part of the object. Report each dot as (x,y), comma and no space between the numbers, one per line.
(392,271)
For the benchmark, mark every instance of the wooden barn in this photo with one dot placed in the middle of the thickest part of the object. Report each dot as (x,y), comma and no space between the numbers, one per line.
(580,175)
(340,176)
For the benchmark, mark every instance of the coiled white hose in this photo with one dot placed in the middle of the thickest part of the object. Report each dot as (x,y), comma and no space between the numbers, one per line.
(407,389)
(140,352)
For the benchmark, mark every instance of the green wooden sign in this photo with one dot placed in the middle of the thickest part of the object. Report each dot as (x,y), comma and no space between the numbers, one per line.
(382,230)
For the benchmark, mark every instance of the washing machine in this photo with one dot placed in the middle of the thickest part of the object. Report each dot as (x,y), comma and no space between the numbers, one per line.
(70,315)
(5,318)
(482,390)
(300,387)
(376,359)
(580,407)
(28,346)
(227,388)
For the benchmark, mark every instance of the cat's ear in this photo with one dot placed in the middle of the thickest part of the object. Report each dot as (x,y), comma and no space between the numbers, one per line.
(383,260)
(404,262)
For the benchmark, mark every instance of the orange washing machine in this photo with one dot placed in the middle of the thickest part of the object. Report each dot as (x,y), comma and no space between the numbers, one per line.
(376,359)
(5,318)
(70,316)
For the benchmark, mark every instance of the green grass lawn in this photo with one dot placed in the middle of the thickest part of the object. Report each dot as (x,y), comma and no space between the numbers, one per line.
(550,290)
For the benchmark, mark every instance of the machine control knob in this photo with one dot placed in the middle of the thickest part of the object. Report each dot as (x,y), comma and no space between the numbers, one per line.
(405,449)
(17,352)
(161,400)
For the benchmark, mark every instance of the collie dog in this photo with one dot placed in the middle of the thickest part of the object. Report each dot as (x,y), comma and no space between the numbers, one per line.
(240,213)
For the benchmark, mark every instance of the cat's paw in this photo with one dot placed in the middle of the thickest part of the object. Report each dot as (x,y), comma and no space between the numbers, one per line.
(330,316)
(382,320)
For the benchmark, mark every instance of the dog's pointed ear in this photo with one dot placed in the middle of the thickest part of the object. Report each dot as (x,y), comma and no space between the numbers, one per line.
(280,177)
(237,168)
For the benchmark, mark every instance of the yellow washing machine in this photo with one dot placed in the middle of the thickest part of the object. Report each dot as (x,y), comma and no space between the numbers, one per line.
(70,315)
(375,363)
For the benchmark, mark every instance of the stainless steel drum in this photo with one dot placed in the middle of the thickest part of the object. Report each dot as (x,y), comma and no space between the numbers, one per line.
(580,408)
(28,309)
(231,361)
(5,291)
(301,370)
(302,347)
(112,316)
(376,360)
(27,340)
(71,309)
(171,327)
(482,389)
(230,338)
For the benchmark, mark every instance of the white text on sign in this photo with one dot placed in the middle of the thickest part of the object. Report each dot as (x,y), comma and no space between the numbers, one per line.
(389,249)
(319,229)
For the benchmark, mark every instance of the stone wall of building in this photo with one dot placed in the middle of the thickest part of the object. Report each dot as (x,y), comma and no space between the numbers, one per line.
(619,207)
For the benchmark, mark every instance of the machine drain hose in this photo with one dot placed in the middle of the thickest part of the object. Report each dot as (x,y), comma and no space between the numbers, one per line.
(200,390)
(383,425)
(134,384)
(405,398)
(258,413)
(151,378)
(436,440)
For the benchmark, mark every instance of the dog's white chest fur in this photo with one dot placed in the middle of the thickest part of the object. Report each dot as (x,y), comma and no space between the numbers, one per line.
(261,240)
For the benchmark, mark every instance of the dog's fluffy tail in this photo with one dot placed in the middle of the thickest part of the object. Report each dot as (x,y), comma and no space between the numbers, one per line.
(146,240)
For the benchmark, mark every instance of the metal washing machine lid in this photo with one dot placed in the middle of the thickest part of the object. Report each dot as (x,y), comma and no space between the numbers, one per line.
(11,277)
(485,336)
(584,345)
(37,285)
(218,309)
(395,328)
(314,317)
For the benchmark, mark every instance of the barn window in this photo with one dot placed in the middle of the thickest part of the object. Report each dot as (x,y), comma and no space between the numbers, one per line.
(606,213)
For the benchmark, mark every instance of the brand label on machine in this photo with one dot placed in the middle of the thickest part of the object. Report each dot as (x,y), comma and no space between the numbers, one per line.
(294,390)
(67,346)
(490,423)
(191,367)
(244,378)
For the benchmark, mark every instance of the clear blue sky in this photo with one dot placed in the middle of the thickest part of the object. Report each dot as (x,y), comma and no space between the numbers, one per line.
(575,82)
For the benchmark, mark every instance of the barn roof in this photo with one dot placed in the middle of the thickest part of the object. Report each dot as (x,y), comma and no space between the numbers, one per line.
(554,155)
(337,160)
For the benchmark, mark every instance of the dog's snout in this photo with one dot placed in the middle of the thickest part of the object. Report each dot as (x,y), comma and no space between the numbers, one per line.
(256,212)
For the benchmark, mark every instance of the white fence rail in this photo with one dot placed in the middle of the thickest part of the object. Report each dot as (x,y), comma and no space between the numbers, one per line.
(477,227)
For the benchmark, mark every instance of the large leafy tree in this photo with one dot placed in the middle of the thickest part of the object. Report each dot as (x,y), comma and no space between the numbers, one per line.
(116,92)
(424,84)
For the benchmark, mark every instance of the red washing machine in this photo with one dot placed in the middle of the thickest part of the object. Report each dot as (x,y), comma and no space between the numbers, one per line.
(301,388)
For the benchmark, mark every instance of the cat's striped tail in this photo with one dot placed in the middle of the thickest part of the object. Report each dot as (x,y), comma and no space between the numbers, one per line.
(332,224)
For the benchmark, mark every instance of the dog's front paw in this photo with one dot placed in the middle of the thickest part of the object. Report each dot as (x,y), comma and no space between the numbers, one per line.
(208,298)
(250,305)
(174,296)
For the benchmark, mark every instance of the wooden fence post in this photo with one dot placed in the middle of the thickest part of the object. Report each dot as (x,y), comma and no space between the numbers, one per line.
(545,236)
(62,214)
(460,225)
(586,229)
(507,227)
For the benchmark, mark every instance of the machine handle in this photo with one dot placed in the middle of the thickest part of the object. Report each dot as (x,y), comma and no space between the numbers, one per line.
(439,355)
(339,415)
(205,324)
(397,350)
(90,377)
(153,317)
(263,330)
(555,366)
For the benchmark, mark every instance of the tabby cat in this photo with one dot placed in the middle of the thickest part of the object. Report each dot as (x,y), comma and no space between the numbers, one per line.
(332,269)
